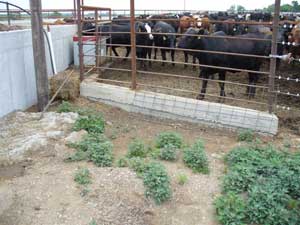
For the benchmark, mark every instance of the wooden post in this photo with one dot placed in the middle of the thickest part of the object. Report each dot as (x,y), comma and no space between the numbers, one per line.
(39,54)
(273,60)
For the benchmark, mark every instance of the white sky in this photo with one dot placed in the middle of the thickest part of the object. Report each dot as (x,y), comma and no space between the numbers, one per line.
(155,4)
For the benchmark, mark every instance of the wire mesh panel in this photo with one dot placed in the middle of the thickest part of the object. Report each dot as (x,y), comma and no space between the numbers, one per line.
(166,69)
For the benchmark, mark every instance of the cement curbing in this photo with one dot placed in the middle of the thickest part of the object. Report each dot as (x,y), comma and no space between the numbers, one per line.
(179,108)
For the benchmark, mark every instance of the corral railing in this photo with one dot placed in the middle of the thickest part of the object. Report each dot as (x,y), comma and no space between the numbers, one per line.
(268,92)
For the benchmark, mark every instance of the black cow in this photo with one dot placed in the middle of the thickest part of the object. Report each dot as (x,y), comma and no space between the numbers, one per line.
(143,37)
(192,31)
(173,20)
(164,40)
(221,60)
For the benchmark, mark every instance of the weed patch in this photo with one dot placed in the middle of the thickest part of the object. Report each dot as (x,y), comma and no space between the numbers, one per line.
(195,158)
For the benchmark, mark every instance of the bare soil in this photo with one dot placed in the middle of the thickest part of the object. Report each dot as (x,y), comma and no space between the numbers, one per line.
(42,191)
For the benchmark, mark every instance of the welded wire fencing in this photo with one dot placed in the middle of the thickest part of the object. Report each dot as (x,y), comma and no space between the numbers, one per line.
(272,89)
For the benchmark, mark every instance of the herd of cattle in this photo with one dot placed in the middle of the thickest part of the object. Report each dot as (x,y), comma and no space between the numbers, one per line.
(207,33)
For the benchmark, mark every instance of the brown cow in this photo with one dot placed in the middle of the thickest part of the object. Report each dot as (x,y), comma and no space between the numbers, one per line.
(294,38)
(185,23)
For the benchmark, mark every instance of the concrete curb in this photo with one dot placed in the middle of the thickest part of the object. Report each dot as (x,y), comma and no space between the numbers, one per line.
(179,108)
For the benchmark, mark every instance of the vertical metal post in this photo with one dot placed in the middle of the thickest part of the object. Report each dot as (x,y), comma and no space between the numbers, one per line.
(97,40)
(80,46)
(133,45)
(75,10)
(39,54)
(8,14)
(273,60)
(110,35)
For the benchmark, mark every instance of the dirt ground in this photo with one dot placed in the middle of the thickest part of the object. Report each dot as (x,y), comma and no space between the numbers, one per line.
(236,94)
(39,189)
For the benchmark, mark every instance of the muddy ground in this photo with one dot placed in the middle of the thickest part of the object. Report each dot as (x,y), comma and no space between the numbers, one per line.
(39,188)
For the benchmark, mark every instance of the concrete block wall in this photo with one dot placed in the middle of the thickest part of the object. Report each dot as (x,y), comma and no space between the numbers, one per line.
(179,108)
(17,76)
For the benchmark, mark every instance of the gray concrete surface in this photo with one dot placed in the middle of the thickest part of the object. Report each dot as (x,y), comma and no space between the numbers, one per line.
(179,108)
(17,76)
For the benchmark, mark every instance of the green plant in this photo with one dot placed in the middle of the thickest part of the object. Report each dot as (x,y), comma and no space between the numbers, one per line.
(93,222)
(239,178)
(195,158)
(157,182)
(95,148)
(138,165)
(65,107)
(231,209)
(122,162)
(154,152)
(91,123)
(270,181)
(79,155)
(168,152)
(167,138)
(266,205)
(101,153)
(82,176)
(136,149)
(182,179)
(246,135)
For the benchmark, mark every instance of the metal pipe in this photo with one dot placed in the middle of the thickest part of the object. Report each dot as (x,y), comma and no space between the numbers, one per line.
(8,14)
(199,65)
(273,60)
(80,46)
(133,44)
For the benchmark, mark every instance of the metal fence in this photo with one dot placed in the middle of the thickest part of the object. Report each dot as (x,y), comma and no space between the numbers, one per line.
(124,74)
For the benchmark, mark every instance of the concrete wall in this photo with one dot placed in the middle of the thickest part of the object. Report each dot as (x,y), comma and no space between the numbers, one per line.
(17,76)
(179,108)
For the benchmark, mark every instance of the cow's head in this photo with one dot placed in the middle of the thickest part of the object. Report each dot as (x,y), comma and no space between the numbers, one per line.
(191,38)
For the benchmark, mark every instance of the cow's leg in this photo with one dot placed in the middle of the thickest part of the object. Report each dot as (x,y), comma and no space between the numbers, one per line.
(194,62)
(164,57)
(149,54)
(115,51)
(186,58)
(128,50)
(155,53)
(253,78)
(222,77)
(203,75)
(173,56)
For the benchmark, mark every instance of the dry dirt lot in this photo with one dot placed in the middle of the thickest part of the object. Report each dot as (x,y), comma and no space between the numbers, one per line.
(38,188)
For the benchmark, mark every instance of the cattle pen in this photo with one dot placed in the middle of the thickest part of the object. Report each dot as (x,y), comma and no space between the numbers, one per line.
(152,88)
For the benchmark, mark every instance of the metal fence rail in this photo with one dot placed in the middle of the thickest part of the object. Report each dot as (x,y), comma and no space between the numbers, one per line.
(268,93)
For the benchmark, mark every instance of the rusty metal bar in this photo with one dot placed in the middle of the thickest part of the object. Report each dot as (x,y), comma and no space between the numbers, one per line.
(199,79)
(109,68)
(273,60)
(206,51)
(80,46)
(198,65)
(133,44)
(113,81)
(97,40)
(191,35)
